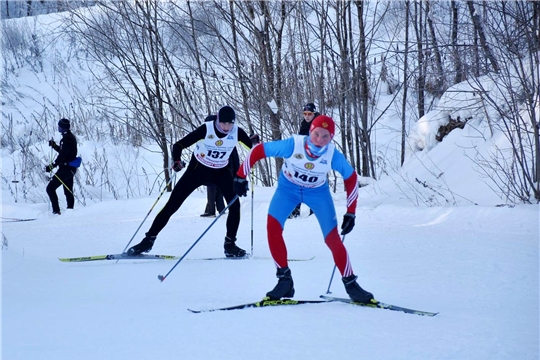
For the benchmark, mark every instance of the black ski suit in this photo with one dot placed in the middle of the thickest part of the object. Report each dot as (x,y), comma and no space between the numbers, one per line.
(197,175)
(67,151)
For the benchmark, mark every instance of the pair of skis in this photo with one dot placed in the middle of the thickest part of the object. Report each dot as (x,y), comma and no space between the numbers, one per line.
(8,219)
(257,304)
(326,299)
(125,256)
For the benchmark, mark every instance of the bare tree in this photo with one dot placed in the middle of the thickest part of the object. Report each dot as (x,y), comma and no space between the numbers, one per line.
(479,29)
(124,39)
(439,76)
(458,65)
(405,87)
(421,70)
(515,98)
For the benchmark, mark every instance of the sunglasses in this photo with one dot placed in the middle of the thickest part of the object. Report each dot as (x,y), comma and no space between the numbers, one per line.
(308,113)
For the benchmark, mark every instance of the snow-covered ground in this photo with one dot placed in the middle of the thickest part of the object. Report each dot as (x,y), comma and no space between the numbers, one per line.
(475,265)
(419,242)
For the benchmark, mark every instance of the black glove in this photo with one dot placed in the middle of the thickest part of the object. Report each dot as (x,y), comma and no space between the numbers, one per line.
(255,139)
(49,168)
(178,165)
(52,143)
(348,223)
(240,186)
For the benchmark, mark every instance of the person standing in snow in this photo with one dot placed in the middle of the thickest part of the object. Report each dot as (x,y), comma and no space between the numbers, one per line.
(309,112)
(308,159)
(214,201)
(67,152)
(209,165)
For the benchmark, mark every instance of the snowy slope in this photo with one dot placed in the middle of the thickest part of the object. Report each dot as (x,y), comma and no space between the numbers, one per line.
(426,248)
(477,266)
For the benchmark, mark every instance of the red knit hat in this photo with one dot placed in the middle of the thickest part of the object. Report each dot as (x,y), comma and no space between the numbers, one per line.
(324,122)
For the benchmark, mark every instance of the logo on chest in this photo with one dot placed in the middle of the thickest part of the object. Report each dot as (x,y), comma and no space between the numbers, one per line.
(309,166)
(219,142)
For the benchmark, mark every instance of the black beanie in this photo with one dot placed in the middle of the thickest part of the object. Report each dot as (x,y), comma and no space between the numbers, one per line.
(226,114)
(64,124)
(309,107)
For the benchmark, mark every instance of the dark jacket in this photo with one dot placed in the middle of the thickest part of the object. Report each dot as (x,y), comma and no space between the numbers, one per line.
(200,134)
(304,125)
(67,150)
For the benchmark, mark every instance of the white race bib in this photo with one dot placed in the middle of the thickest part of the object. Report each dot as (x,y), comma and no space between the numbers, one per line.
(213,151)
(301,171)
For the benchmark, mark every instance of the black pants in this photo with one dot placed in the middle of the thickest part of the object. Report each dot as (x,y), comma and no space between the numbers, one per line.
(64,175)
(197,175)
(214,200)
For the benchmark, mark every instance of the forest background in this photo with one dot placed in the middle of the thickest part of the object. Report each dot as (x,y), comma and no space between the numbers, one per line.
(136,76)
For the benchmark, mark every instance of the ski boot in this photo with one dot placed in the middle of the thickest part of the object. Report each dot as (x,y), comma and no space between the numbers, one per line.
(231,250)
(356,293)
(208,215)
(144,246)
(295,213)
(284,287)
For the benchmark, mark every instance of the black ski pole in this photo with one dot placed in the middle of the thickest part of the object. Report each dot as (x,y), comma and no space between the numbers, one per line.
(252,195)
(333,271)
(149,211)
(163,277)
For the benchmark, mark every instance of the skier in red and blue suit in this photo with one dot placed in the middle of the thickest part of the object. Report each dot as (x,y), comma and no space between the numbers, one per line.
(303,179)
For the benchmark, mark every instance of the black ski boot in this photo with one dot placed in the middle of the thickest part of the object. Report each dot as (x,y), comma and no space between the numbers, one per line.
(144,246)
(231,250)
(284,287)
(295,213)
(208,215)
(356,293)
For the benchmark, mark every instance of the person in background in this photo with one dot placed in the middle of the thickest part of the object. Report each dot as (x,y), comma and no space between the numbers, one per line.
(209,164)
(214,201)
(303,178)
(309,113)
(67,152)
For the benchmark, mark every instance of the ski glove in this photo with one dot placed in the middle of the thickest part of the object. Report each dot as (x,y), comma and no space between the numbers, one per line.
(52,143)
(255,139)
(240,186)
(178,165)
(348,223)
(49,168)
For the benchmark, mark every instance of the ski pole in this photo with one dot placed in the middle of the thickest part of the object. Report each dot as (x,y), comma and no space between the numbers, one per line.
(163,277)
(252,194)
(50,175)
(333,271)
(149,211)
(68,189)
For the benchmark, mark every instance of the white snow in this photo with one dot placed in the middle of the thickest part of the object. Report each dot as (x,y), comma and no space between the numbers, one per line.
(475,265)
(426,248)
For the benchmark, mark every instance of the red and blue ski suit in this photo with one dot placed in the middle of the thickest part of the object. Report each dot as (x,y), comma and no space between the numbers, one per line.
(299,182)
